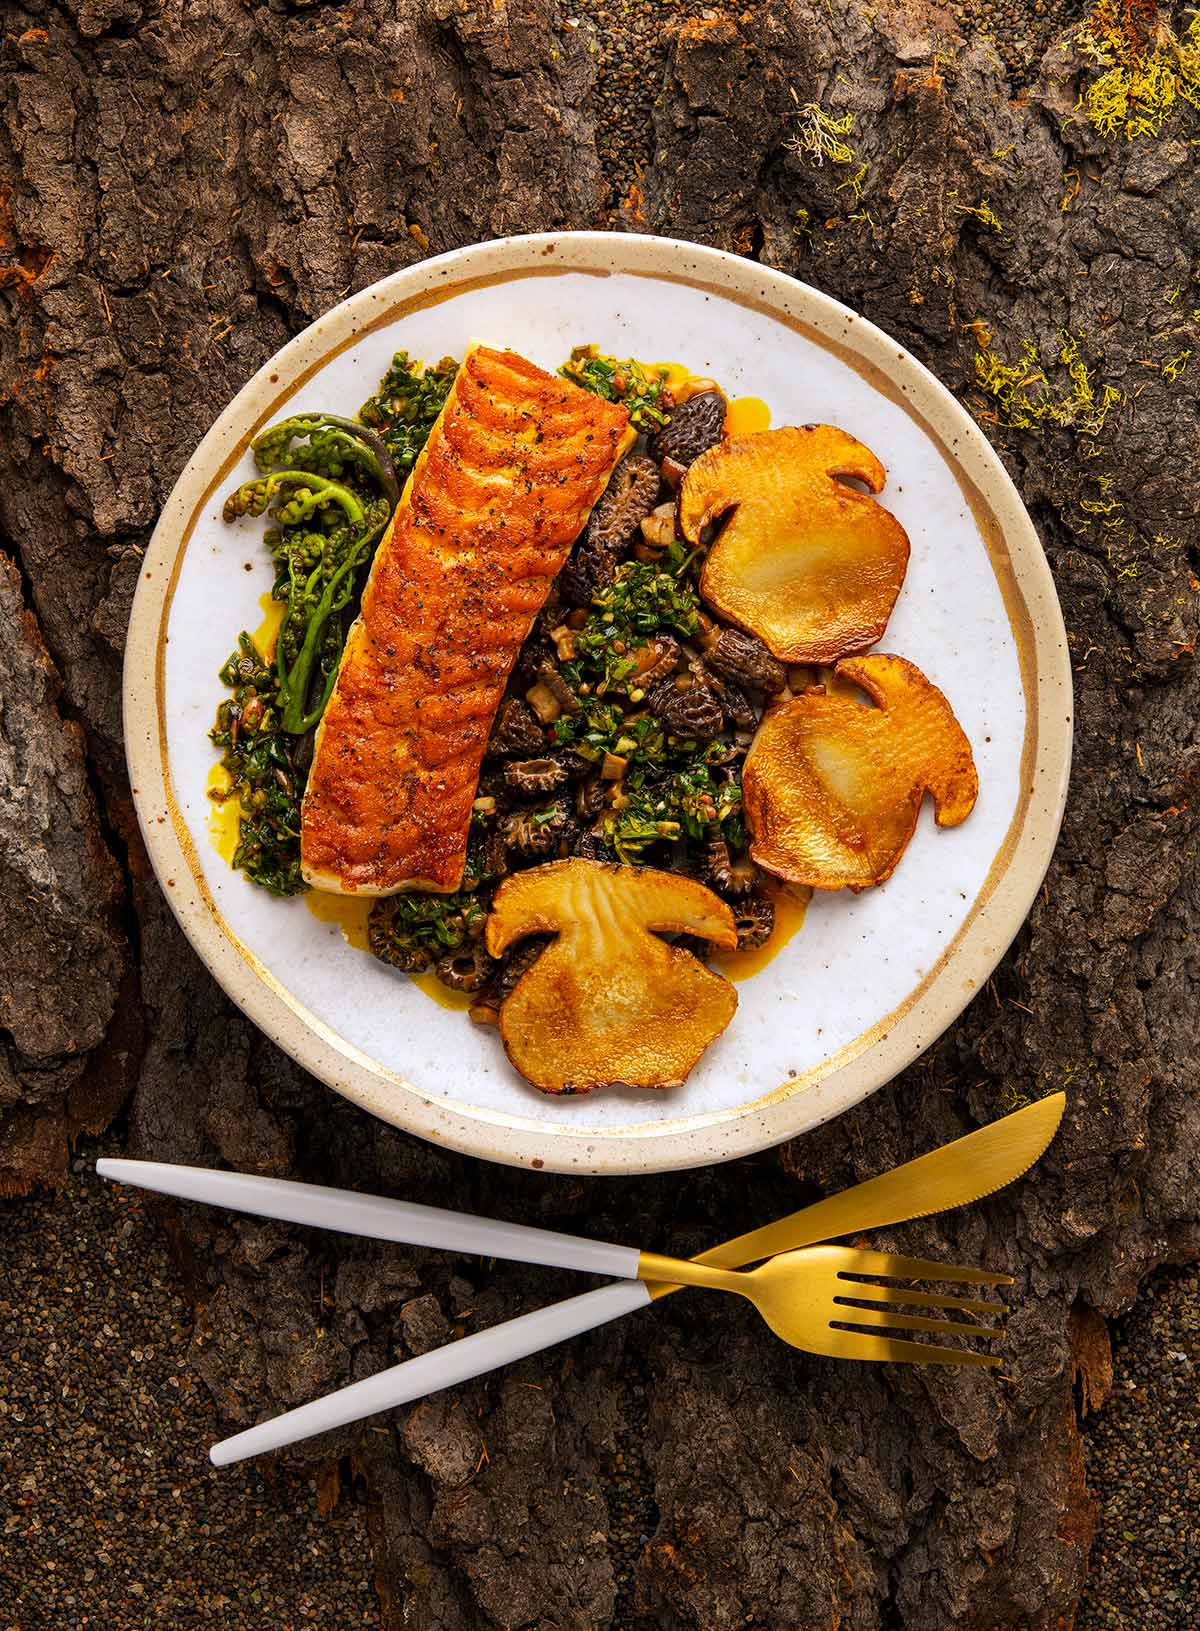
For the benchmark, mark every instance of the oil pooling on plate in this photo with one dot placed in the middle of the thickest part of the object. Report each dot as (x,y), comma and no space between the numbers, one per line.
(790,903)
(348,912)
(744,415)
(225,813)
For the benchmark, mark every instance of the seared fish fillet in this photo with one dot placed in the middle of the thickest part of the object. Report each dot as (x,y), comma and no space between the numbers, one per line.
(499,494)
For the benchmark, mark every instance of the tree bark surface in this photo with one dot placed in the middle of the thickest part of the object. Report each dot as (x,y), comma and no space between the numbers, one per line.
(185,186)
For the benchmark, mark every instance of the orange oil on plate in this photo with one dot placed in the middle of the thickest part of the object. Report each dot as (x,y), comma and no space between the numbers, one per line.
(348,912)
(745,415)
(790,906)
(264,634)
(223,815)
(442,994)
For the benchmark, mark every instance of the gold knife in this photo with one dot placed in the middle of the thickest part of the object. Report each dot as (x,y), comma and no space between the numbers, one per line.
(966,1170)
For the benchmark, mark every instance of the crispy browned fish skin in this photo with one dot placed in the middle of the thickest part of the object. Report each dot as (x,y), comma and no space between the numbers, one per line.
(608,1002)
(832,788)
(507,479)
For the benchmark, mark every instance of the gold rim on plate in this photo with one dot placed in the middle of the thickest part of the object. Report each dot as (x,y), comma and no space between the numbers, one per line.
(879,1052)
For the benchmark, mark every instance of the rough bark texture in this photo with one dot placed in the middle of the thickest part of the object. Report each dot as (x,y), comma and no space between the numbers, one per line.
(186,187)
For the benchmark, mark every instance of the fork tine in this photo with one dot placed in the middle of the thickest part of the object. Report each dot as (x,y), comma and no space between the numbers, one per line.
(859,1345)
(886,1321)
(917,1299)
(886,1266)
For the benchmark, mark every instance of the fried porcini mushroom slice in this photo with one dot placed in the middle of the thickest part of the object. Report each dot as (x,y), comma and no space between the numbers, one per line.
(811,566)
(832,787)
(608,1002)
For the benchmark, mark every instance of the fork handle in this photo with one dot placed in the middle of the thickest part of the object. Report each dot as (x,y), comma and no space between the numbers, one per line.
(431,1372)
(376,1217)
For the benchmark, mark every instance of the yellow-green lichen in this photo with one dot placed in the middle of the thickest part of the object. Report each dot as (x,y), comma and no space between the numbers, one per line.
(1147,70)
(1174,366)
(854,182)
(983,213)
(1026,397)
(819,136)
(1105,502)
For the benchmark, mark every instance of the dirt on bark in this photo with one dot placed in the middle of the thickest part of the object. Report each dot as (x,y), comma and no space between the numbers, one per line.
(187,186)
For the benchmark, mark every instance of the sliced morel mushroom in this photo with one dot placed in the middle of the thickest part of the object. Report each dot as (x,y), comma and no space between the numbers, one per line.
(653,661)
(754,919)
(467,969)
(732,879)
(516,730)
(552,681)
(631,494)
(744,660)
(694,426)
(536,832)
(609,1001)
(693,711)
(534,775)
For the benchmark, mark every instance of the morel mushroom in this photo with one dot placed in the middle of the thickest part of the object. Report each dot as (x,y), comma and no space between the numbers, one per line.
(832,787)
(467,969)
(754,919)
(549,679)
(534,775)
(735,880)
(735,704)
(589,798)
(536,832)
(694,426)
(692,711)
(651,662)
(485,1010)
(744,660)
(593,846)
(810,565)
(631,494)
(516,730)
(608,1002)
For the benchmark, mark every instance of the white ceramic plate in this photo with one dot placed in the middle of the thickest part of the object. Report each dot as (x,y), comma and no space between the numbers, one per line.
(870,980)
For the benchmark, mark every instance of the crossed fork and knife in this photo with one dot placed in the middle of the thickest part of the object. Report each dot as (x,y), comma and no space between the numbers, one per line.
(816,1296)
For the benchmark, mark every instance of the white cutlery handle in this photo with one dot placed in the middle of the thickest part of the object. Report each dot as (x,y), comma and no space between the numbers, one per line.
(376,1217)
(444,1367)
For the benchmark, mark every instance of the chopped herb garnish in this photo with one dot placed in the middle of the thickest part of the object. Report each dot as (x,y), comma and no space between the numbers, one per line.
(405,407)
(262,775)
(630,382)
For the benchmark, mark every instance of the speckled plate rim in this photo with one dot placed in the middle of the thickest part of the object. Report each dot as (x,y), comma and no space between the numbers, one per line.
(876,1057)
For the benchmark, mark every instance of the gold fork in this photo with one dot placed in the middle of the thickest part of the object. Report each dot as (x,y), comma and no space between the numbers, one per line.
(807,1297)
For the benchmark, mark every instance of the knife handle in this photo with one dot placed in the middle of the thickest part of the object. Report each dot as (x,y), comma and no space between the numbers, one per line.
(376,1217)
(445,1367)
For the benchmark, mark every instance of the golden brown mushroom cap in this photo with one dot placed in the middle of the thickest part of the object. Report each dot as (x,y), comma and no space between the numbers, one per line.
(608,1002)
(831,787)
(809,565)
